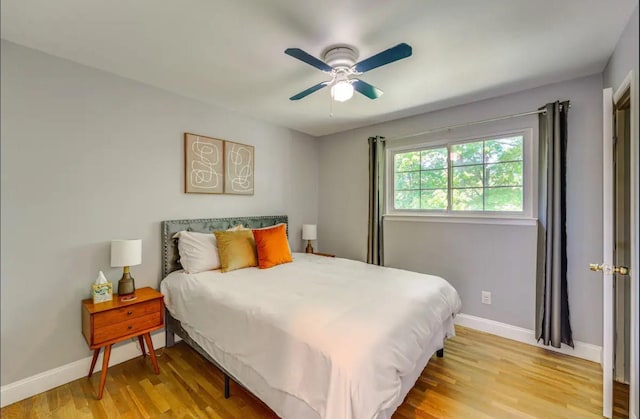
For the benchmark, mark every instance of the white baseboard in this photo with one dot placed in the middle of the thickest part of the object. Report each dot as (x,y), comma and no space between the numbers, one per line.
(30,386)
(582,350)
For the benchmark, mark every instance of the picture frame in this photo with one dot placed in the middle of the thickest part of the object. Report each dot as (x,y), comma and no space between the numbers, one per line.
(203,164)
(239,168)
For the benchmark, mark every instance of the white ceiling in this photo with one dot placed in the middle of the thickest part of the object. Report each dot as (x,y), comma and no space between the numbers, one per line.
(230,52)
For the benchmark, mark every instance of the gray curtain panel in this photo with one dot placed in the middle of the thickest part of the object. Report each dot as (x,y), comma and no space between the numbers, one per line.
(552,303)
(375,249)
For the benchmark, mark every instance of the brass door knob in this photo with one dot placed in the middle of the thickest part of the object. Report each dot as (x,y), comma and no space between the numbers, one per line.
(622,270)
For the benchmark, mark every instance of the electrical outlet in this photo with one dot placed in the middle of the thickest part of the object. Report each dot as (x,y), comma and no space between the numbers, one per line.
(486,297)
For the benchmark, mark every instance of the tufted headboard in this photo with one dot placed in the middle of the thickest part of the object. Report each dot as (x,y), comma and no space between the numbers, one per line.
(170,255)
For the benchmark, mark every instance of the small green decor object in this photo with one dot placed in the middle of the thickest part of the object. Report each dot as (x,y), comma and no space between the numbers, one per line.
(101,290)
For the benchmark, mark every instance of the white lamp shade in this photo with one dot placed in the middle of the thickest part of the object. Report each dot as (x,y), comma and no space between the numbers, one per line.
(126,252)
(342,91)
(309,232)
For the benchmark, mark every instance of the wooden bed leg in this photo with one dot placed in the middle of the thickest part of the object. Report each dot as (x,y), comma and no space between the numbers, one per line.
(440,353)
(226,386)
(169,338)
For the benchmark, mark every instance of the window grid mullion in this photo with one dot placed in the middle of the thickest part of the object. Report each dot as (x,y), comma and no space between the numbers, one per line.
(420,182)
(449,180)
(484,177)
(496,162)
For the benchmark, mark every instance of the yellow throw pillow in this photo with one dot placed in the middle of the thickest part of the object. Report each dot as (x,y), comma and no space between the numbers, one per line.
(272,246)
(237,249)
(238,227)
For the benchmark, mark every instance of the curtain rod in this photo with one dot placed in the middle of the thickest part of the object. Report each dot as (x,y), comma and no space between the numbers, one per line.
(466,124)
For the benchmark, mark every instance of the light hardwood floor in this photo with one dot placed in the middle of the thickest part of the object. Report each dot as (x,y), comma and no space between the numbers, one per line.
(481,376)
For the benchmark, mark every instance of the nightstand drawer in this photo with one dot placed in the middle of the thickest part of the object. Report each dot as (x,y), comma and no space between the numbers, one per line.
(108,318)
(127,327)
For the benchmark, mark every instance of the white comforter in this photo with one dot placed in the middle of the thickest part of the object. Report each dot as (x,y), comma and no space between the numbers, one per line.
(335,333)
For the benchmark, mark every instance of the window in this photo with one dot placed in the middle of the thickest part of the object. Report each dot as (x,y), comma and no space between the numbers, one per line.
(479,176)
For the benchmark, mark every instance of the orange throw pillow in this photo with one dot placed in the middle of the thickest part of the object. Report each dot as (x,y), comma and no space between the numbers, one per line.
(272,246)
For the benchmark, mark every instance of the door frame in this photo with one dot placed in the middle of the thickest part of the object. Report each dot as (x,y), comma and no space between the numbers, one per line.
(629,84)
(622,225)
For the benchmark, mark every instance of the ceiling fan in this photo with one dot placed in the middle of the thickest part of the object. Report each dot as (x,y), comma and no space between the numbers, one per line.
(340,63)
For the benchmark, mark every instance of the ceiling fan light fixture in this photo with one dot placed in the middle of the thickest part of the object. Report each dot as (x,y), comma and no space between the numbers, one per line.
(340,63)
(342,91)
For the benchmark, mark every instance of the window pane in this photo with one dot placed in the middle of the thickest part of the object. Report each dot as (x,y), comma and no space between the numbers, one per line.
(407,200)
(434,158)
(504,174)
(407,180)
(468,153)
(434,179)
(503,199)
(405,162)
(467,199)
(434,199)
(504,149)
(467,176)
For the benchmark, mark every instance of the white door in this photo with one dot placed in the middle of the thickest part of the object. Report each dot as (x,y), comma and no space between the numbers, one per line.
(607,256)
(607,267)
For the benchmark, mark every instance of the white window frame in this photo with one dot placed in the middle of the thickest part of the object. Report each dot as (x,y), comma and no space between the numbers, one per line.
(529,169)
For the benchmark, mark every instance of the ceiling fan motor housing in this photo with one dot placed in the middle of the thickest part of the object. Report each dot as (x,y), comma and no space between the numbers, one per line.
(341,57)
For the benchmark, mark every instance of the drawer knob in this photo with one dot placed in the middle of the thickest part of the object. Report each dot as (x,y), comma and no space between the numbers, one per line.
(130,327)
(129,313)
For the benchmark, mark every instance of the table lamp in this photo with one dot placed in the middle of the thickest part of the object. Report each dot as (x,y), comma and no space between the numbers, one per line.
(309,232)
(126,253)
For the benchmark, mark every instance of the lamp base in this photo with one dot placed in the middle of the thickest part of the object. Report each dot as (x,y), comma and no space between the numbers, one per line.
(309,248)
(126,285)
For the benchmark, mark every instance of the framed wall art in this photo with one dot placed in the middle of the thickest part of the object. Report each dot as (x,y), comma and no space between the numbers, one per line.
(239,165)
(203,164)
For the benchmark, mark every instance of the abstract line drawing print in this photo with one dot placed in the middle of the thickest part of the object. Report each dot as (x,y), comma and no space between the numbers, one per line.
(204,171)
(239,168)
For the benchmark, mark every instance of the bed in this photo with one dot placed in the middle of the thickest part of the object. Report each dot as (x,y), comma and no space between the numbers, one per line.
(316,338)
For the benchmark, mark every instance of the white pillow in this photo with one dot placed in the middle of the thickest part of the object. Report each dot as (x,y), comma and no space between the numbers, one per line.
(198,251)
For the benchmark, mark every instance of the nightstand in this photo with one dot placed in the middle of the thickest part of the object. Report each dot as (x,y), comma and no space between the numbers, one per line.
(104,324)
(329,255)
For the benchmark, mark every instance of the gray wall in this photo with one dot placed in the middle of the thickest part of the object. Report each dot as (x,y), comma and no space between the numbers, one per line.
(88,157)
(624,59)
(475,257)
